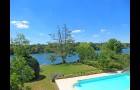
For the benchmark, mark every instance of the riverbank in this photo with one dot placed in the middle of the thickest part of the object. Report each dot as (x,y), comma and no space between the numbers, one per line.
(43,61)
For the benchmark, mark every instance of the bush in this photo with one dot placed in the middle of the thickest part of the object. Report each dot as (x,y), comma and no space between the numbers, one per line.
(15,83)
(95,64)
(55,75)
(34,64)
(86,62)
(20,49)
(92,63)
(20,73)
(85,72)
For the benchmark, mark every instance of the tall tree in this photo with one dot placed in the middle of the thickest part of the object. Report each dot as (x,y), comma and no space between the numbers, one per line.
(64,43)
(20,44)
(85,51)
(110,57)
(113,45)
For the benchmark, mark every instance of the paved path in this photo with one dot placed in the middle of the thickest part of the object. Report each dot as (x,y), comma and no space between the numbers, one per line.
(67,83)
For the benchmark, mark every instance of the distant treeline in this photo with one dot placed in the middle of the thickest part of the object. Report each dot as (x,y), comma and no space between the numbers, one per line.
(46,48)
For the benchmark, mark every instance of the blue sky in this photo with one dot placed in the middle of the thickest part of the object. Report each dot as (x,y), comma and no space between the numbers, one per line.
(89,20)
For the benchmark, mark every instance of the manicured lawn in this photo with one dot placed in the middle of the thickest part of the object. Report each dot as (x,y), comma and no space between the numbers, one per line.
(44,82)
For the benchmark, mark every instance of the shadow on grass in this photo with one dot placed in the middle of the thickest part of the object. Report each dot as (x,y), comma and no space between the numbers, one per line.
(41,77)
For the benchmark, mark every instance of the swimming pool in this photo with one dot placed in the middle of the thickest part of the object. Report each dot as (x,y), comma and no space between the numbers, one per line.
(112,82)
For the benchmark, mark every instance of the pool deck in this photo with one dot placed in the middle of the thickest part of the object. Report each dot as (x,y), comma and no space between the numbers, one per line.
(67,83)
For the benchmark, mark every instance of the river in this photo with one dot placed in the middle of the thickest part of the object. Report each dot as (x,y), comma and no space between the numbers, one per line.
(43,61)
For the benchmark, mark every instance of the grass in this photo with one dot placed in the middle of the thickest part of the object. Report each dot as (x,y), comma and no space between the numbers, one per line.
(44,82)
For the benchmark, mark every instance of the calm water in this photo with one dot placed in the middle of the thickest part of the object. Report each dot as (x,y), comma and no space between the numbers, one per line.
(120,82)
(42,57)
(126,50)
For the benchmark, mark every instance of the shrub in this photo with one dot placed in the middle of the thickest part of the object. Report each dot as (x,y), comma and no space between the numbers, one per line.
(55,75)
(92,63)
(86,62)
(20,73)
(20,49)
(95,63)
(85,72)
(34,64)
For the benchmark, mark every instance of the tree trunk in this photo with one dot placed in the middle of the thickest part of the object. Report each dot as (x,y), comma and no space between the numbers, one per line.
(64,59)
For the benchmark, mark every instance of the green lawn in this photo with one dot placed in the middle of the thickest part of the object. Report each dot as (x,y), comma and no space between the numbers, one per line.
(44,82)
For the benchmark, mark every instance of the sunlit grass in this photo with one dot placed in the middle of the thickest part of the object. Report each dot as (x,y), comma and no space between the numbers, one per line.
(44,82)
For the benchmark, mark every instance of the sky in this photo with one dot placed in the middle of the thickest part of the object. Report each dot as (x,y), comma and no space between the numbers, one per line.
(89,20)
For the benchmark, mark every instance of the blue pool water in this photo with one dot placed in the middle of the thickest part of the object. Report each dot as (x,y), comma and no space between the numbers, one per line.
(112,82)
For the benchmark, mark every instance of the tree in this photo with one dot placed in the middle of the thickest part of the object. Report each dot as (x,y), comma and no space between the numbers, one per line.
(50,47)
(109,60)
(110,57)
(20,73)
(52,58)
(19,46)
(15,83)
(64,43)
(125,60)
(11,50)
(85,51)
(113,61)
(113,45)
(94,45)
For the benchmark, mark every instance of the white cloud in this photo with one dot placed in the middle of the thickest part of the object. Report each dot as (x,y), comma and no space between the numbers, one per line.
(102,30)
(41,34)
(25,22)
(76,31)
(20,24)
(96,35)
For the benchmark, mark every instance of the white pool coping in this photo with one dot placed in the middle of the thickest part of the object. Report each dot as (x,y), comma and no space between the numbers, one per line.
(67,83)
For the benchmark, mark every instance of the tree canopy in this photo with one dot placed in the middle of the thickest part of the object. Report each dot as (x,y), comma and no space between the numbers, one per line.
(113,45)
(63,46)
(85,51)
(20,49)
(23,66)
(20,73)
(110,57)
